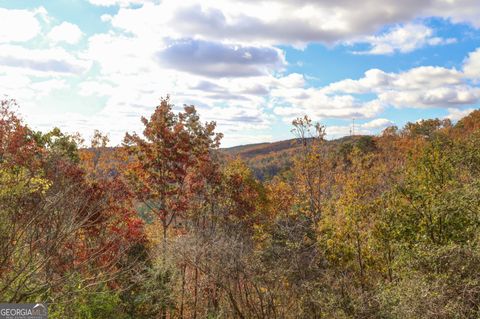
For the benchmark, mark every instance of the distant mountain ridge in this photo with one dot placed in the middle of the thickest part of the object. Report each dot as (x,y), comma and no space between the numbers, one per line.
(251,150)
(270,159)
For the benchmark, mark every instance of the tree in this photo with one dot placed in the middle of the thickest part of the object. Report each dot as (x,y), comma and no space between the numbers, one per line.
(56,226)
(311,165)
(168,159)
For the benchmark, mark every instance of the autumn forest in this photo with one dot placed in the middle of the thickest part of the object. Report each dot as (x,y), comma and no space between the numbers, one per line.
(171,225)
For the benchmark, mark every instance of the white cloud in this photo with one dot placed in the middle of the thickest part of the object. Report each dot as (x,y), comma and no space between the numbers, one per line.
(295,22)
(456,114)
(471,66)
(438,97)
(121,3)
(419,78)
(369,128)
(458,11)
(235,139)
(420,87)
(404,39)
(44,88)
(65,32)
(18,25)
(313,102)
(53,61)
(377,124)
(90,88)
(16,86)
(26,90)
(118,54)
(215,59)
(106,17)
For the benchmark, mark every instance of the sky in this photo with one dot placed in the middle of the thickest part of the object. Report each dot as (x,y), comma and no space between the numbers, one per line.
(252,66)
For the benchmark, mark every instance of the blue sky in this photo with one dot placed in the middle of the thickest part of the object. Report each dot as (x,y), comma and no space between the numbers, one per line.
(251,66)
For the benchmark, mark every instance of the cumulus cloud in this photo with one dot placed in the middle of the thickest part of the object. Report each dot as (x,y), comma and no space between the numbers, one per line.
(471,66)
(438,97)
(44,88)
(368,128)
(296,22)
(16,85)
(215,59)
(93,88)
(404,39)
(421,87)
(418,78)
(18,25)
(41,61)
(458,11)
(300,101)
(121,3)
(456,114)
(65,32)
(106,17)
(377,124)
(119,54)
(28,91)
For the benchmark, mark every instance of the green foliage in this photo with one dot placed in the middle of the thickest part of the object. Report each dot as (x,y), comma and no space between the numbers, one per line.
(60,144)
(83,302)
(438,206)
(426,128)
(435,283)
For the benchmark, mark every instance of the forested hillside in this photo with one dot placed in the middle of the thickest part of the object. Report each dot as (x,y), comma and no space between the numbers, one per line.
(267,160)
(168,226)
